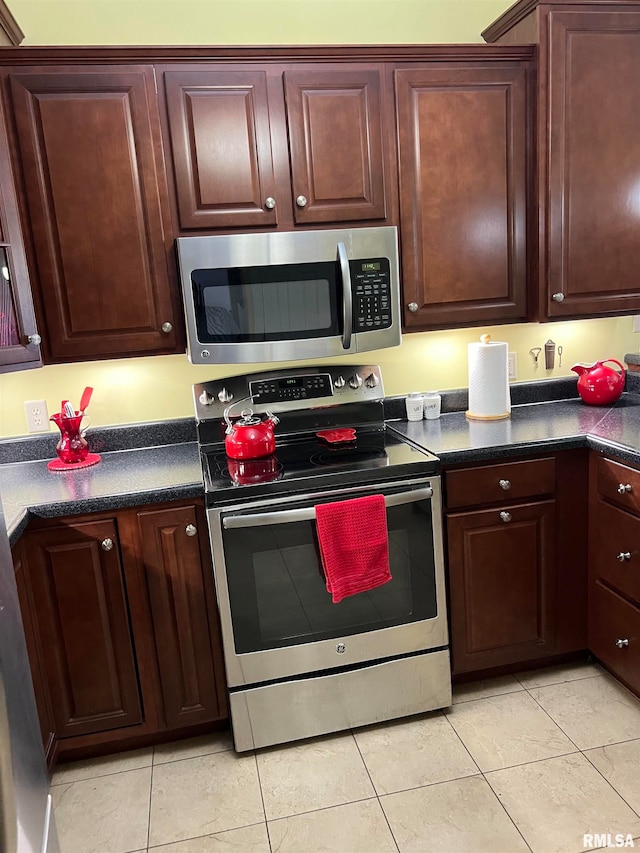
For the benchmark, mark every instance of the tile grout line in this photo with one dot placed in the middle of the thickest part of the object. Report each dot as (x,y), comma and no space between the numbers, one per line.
(264,807)
(611,785)
(153,753)
(506,811)
(375,790)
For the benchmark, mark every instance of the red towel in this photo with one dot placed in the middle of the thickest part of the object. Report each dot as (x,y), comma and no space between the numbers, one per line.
(354,545)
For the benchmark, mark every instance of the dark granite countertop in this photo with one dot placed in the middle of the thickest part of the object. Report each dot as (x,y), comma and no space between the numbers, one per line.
(532,428)
(123,478)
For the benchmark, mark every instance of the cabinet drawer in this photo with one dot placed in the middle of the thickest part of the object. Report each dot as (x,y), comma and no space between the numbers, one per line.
(619,484)
(497,483)
(613,619)
(614,549)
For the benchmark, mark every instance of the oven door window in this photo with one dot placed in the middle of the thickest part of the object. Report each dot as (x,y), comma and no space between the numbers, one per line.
(267,303)
(278,594)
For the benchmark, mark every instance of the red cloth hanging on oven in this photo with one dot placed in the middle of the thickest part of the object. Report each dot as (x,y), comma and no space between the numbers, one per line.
(354,545)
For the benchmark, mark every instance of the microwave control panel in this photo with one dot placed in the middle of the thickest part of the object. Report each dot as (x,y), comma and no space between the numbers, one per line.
(371,286)
(283,389)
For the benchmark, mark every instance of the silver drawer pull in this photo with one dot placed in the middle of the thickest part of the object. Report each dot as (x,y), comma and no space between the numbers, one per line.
(301,201)
(413,307)
(622,643)
(505,516)
(623,555)
(166,328)
(623,488)
(107,544)
(505,484)
(270,203)
(558,297)
(191,530)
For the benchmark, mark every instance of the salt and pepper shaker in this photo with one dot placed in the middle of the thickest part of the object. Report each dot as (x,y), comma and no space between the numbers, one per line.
(549,354)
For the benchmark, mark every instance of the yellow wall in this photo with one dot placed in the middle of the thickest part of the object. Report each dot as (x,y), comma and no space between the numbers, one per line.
(253,21)
(149,389)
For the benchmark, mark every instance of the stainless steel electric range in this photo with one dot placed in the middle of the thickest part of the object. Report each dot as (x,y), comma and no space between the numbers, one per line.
(297,664)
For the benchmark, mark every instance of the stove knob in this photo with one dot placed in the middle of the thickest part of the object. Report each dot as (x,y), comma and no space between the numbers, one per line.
(225,396)
(372,381)
(356,381)
(339,382)
(206,399)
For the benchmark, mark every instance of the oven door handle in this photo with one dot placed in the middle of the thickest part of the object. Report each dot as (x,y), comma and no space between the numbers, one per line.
(347,296)
(308,513)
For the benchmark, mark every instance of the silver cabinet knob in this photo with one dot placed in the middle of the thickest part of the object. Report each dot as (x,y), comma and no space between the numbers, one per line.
(270,203)
(301,201)
(191,530)
(622,643)
(623,555)
(558,297)
(372,381)
(206,398)
(623,488)
(166,328)
(413,307)
(107,544)
(36,340)
(225,396)
(505,516)
(505,484)
(339,382)
(355,381)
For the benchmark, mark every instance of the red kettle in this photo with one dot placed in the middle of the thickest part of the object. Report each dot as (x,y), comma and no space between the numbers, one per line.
(599,385)
(249,437)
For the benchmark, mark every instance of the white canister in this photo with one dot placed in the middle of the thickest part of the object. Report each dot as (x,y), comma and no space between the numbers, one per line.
(432,404)
(415,406)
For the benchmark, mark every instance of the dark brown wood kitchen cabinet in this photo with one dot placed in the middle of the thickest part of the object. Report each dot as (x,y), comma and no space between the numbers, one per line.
(89,144)
(278,146)
(614,568)
(76,583)
(19,339)
(463,161)
(587,148)
(122,626)
(516,562)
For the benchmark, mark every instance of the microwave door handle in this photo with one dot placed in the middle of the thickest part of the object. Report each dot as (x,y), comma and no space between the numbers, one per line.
(347,296)
(289,516)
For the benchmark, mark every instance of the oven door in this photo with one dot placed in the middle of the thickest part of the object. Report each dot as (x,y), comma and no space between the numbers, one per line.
(278,619)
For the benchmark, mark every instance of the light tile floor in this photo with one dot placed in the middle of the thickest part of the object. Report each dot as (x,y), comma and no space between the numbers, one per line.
(528,762)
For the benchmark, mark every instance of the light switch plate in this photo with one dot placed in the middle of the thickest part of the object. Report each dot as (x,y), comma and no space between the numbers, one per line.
(636,323)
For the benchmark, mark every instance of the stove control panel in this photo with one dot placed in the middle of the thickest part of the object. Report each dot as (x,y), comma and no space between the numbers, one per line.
(285,388)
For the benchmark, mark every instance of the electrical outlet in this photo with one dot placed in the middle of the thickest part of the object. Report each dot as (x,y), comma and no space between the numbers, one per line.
(636,323)
(513,365)
(37,415)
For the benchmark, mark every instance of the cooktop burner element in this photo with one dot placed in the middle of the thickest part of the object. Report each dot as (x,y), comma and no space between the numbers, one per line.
(347,400)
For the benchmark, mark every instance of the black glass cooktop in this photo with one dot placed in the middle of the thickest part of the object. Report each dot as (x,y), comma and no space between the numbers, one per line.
(308,463)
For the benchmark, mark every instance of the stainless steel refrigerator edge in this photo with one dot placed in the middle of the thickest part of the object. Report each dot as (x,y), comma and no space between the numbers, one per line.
(26,818)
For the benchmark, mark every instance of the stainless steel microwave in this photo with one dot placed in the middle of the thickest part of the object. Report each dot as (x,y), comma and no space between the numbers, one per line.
(285,296)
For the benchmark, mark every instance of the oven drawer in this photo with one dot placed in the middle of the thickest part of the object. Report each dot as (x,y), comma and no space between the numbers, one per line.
(307,707)
(614,634)
(619,484)
(615,549)
(498,483)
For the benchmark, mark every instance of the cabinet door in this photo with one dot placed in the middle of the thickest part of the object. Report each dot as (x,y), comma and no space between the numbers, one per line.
(89,143)
(463,140)
(221,148)
(501,585)
(592,233)
(175,553)
(75,581)
(43,700)
(336,145)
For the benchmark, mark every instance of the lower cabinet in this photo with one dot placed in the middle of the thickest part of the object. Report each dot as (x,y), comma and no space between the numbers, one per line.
(121,625)
(614,568)
(516,564)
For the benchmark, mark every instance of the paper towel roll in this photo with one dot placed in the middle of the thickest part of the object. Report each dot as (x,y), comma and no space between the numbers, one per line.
(489,396)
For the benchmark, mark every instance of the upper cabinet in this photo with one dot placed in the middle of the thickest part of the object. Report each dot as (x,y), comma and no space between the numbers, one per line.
(89,144)
(278,146)
(19,339)
(588,156)
(463,143)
